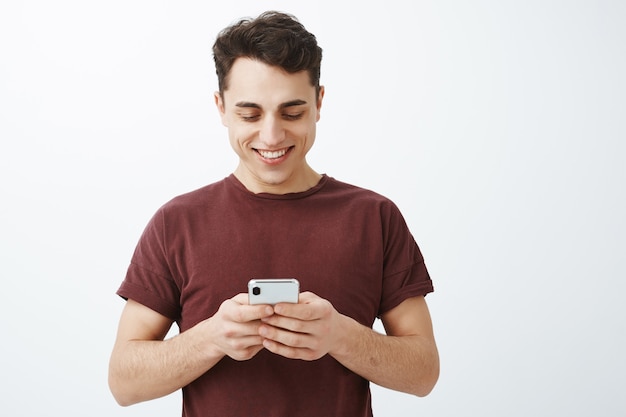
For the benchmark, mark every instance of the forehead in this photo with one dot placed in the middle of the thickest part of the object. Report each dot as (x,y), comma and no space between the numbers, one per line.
(254,81)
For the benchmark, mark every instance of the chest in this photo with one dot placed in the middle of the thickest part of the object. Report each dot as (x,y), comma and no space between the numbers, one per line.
(338,256)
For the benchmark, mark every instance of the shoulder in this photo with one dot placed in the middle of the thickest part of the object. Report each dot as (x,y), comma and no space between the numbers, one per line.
(200,197)
(334,185)
(357,195)
(366,205)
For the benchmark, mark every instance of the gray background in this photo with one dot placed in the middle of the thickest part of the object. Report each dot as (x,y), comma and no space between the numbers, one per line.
(498,128)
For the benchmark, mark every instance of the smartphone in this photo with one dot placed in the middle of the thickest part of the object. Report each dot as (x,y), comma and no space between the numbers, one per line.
(273,291)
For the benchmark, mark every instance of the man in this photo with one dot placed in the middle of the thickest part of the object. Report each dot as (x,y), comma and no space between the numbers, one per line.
(274,217)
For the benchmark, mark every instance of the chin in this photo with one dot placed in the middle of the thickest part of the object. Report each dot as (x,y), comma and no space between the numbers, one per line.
(278,182)
(273,179)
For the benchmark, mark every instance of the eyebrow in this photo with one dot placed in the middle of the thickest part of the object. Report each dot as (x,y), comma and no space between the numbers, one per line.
(291,103)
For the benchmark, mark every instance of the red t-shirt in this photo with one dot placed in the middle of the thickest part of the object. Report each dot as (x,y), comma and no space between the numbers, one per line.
(348,245)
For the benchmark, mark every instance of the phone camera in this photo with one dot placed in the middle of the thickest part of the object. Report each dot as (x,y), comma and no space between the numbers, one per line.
(256,290)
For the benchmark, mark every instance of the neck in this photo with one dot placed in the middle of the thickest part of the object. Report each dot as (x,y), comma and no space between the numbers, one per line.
(302,181)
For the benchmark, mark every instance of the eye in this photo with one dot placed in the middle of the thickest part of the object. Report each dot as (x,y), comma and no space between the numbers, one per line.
(293,116)
(249,117)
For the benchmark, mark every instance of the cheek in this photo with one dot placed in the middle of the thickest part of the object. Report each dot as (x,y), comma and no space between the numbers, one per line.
(308,138)
(240,134)
(312,131)
(306,130)
(235,145)
(237,141)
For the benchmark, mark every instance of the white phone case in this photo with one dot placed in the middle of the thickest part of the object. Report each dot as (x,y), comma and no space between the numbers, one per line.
(273,291)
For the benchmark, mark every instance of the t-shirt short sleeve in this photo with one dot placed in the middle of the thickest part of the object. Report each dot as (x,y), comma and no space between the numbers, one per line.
(405,274)
(149,280)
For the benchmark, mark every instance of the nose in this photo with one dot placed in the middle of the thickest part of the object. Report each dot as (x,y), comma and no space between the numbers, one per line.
(272,131)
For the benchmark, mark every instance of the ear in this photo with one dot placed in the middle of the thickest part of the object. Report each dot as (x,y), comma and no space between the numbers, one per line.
(219,103)
(320,97)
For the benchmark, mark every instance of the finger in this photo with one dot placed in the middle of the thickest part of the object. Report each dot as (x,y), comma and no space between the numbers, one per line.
(242,313)
(244,349)
(290,352)
(284,337)
(307,311)
(241,298)
(243,342)
(304,298)
(307,297)
(286,323)
(251,313)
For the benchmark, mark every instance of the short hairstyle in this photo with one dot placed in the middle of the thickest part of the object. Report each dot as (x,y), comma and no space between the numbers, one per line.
(274,38)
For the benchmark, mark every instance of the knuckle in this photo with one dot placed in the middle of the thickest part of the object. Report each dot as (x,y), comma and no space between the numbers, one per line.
(326,309)
(309,314)
(237,315)
(297,326)
(229,331)
(241,355)
(315,346)
(237,345)
(293,340)
(311,355)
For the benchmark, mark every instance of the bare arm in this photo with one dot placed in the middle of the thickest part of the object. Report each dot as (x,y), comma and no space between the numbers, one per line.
(406,359)
(143,366)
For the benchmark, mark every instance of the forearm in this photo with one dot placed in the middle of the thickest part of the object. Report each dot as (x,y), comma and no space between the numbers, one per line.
(403,363)
(143,366)
(141,370)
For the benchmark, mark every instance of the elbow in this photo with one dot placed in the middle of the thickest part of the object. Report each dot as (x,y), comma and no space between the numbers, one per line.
(122,397)
(122,394)
(425,388)
(428,380)
(119,394)
(122,401)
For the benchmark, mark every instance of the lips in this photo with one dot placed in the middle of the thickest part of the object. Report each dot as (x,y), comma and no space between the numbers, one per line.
(273,154)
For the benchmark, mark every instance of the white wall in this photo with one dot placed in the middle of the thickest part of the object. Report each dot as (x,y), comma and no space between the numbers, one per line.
(498,127)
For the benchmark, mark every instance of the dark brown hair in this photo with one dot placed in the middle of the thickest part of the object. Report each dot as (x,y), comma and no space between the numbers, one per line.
(274,38)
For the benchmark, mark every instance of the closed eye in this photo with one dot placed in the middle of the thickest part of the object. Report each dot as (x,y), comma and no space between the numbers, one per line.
(249,117)
(293,116)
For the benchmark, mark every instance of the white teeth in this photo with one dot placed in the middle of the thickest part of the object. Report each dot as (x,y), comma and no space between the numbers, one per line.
(272,154)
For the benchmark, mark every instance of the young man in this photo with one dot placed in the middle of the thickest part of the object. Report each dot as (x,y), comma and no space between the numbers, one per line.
(274,217)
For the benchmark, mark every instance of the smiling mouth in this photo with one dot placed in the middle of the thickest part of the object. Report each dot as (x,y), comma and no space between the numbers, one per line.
(273,154)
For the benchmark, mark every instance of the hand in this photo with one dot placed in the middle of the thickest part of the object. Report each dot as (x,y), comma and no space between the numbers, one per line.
(307,330)
(234,329)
